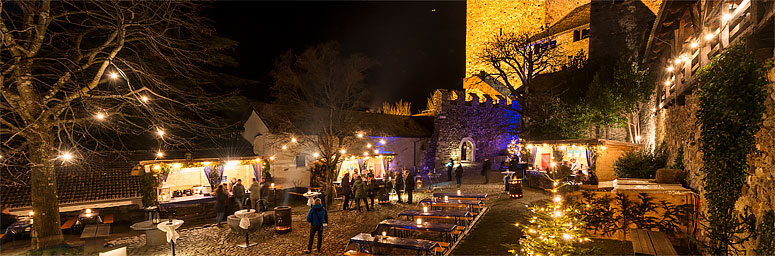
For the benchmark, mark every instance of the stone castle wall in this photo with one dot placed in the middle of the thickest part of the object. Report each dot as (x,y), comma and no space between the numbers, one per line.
(675,126)
(619,27)
(485,123)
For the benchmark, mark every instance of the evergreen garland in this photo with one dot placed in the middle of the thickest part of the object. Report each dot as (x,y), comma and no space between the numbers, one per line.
(731,104)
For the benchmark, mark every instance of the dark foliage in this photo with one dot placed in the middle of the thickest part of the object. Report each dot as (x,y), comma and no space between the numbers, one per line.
(641,164)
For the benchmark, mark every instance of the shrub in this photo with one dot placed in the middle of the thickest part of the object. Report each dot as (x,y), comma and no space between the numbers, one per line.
(640,164)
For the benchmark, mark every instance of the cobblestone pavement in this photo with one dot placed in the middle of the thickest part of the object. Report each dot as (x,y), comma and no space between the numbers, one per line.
(211,240)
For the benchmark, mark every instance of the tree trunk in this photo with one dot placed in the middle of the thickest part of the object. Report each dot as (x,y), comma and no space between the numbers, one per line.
(46,231)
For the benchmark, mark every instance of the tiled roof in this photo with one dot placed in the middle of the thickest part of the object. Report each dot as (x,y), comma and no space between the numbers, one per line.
(575,18)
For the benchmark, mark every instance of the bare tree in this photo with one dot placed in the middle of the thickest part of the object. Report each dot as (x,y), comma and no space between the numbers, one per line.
(77,76)
(518,58)
(325,93)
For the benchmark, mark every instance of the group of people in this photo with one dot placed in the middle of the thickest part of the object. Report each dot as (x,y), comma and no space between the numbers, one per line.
(236,192)
(369,188)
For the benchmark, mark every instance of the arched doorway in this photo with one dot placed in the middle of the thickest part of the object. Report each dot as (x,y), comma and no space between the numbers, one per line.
(467,149)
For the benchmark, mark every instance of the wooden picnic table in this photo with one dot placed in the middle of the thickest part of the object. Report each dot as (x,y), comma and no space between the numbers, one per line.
(422,245)
(471,205)
(445,230)
(647,242)
(460,217)
(95,237)
(462,196)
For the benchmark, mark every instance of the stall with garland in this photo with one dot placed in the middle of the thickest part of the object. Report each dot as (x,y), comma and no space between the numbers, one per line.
(379,165)
(587,155)
(179,182)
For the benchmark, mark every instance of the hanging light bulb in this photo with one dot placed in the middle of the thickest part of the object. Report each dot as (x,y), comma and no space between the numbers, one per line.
(557,199)
(360,135)
(99,116)
(368,145)
(382,142)
(160,132)
(144,98)
(670,68)
(159,154)
(293,140)
(315,155)
(342,151)
(66,156)
(709,36)
(376,151)
(271,158)
(667,82)
(365,153)
(694,45)
(113,75)
(285,147)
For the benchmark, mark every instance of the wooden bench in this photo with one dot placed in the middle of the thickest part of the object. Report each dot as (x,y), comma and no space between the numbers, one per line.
(68,224)
(95,237)
(356,253)
(108,219)
(647,242)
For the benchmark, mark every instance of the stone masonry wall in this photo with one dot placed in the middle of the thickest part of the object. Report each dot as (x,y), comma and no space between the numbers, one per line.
(676,126)
(487,124)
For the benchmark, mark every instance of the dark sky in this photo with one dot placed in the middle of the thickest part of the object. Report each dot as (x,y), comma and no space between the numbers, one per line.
(419,46)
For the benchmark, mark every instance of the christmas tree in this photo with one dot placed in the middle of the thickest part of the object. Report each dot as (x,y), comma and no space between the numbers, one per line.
(553,229)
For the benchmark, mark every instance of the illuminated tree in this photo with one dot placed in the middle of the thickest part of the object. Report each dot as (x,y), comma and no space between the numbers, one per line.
(552,229)
(79,77)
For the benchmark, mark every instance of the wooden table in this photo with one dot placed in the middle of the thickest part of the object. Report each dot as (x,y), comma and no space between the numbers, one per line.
(647,242)
(471,205)
(444,229)
(421,245)
(462,196)
(95,237)
(460,217)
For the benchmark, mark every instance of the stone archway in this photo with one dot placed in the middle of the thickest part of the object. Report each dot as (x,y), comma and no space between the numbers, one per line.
(467,149)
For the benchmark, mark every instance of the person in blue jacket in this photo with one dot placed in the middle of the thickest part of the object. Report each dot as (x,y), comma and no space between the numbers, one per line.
(318,217)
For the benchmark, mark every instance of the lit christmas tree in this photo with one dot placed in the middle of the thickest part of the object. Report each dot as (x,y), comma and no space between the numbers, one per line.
(552,229)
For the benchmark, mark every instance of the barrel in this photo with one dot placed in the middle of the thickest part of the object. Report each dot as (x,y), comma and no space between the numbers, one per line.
(282,217)
(515,188)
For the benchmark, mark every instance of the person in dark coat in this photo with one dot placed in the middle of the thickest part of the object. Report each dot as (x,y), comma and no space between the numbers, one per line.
(450,165)
(359,190)
(409,185)
(238,191)
(373,189)
(318,219)
(399,184)
(459,174)
(486,166)
(220,204)
(347,190)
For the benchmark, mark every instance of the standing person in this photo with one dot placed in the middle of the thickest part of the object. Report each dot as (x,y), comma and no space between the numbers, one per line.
(347,190)
(231,185)
(459,173)
(450,165)
(409,185)
(399,184)
(486,166)
(373,188)
(318,218)
(255,194)
(220,204)
(359,190)
(238,191)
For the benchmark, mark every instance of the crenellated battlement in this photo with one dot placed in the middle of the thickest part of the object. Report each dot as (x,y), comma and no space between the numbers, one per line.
(462,98)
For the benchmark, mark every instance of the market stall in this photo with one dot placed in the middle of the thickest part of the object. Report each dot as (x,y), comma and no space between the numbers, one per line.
(362,165)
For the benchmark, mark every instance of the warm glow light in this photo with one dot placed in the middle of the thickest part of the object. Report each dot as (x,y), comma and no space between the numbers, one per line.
(425,209)
(88,210)
(66,156)
(446,198)
(293,140)
(637,138)
(458,192)
(31,213)
(271,185)
(144,98)
(553,164)
(159,154)
(653,109)
(566,236)
(709,36)
(376,151)
(667,82)
(113,75)
(315,155)
(285,147)
(365,153)
(231,164)
(360,135)
(557,199)
(208,163)
(271,158)
(342,151)
(160,132)
(382,142)
(529,146)
(603,147)
(176,165)
(562,147)
(384,233)
(670,68)
(368,145)
(557,214)
(99,116)
(419,221)
(726,17)
(694,44)
(157,167)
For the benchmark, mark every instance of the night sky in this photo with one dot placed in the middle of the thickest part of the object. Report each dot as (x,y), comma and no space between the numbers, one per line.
(418,46)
